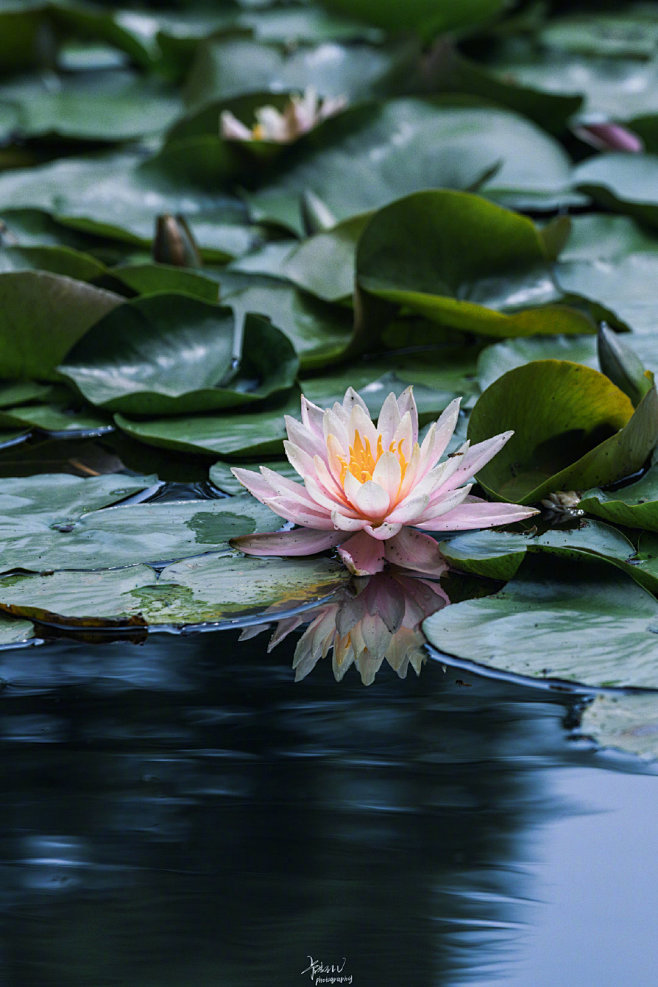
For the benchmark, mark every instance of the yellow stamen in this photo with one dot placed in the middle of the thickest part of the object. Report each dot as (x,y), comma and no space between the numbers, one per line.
(362,460)
(258,132)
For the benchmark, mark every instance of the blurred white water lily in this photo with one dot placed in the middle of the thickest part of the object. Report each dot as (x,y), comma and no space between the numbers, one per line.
(376,618)
(299,115)
(368,488)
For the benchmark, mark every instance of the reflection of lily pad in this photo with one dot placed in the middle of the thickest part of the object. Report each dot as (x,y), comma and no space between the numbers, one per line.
(212,588)
(627,722)
(572,429)
(170,354)
(586,618)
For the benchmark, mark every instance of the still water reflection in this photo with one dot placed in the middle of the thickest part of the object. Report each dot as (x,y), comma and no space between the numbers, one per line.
(182,813)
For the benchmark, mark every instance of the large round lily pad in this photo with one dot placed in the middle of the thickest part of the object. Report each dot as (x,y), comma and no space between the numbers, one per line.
(573,429)
(172,354)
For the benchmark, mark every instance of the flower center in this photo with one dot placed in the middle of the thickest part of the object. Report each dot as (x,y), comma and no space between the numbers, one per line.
(363,460)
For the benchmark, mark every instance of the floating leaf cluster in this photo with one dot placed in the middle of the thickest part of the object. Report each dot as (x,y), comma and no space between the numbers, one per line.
(476,217)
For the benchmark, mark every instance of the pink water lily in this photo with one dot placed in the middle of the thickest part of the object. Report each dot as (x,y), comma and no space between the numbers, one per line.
(300,114)
(373,490)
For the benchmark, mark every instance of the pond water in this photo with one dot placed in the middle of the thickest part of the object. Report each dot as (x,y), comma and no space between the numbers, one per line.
(182,813)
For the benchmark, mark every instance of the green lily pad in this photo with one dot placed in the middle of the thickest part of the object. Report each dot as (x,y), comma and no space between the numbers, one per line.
(320,333)
(426,17)
(100,106)
(324,264)
(449,71)
(229,67)
(497,359)
(619,290)
(249,433)
(635,505)
(35,338)
(24,392)
(217,588)
(498,554)
(120,195)
(626,722)
(131,534)
(56,260)
(171,354)
(56,418)
(466,263)
(611,87)
(573,429)
(392,149)
(595,628)
(600,236)
(153,279)
(15,632)
(623,183)
(58,498)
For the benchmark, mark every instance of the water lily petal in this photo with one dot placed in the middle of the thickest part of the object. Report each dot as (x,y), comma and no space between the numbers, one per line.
(476,457)
(312,417)
(382,531)
(362,554)
(346,523)
(482,515)
(411,549)
(369,499)
(389,419)
(388,475)
(407,403)
(302,541)
(304,437)
(255,483)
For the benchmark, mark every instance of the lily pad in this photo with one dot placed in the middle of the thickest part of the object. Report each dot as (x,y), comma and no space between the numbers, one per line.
(426,17)
(573,429)
(324,264)
(221,476)
(466,263)
(120,195)
(623,183)
(15,632)
(634,505)
(35,338)
(627,722)
(249,433)
(56,260)
(217,588)
(228,67)
(112,105)
(392,149)
(497,359)
(320,333)
(171,354)
(587,619)
(57,419)
(499,554)
(136,533)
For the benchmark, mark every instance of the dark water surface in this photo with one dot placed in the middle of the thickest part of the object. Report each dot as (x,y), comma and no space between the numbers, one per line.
(181,814)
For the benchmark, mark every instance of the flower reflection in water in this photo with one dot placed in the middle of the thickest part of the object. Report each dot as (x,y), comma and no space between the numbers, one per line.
(373,618)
